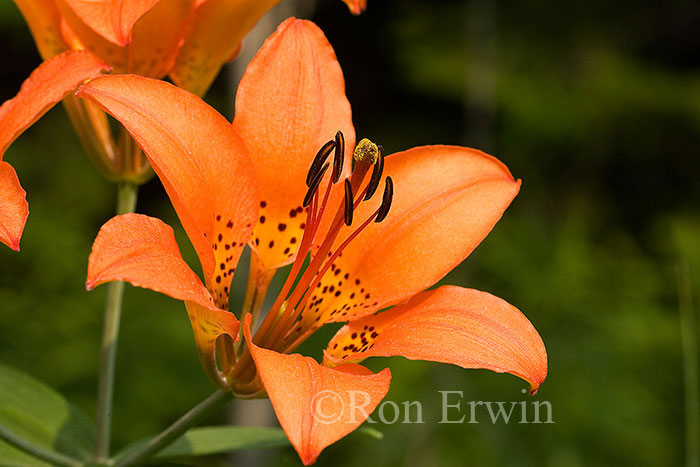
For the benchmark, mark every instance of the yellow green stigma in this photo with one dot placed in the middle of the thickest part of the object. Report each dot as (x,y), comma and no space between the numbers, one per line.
(366,150)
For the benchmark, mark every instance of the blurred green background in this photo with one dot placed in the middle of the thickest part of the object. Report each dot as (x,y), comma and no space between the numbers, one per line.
(594,105)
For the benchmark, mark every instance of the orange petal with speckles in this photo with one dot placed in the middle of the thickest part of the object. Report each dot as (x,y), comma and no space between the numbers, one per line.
(47,85)
(209,324)
(44,21)
(216,32)
(142,251)
(13,207)
(446,200)
(157,38)
(201,160)
(463,327)
(291,100)
(146,45)
(315,405)
(112,19)
(356,6)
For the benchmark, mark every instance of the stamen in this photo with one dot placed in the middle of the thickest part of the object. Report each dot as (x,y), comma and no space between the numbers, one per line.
(320,158)
(348,202)
(386,200)
(338,156)
(366,151)
(376,175)
(300,306)
(313,186)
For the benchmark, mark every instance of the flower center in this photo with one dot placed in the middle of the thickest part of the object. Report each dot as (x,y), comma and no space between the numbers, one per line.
(296,314)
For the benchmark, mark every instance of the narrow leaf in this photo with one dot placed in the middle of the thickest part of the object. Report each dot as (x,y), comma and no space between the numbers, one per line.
(41,415)
(209,440)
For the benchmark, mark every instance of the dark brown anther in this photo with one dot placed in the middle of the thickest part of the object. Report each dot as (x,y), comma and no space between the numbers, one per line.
(386,200)
(315,182)
(339,156)
(376,175)
(348,202)
(320,158)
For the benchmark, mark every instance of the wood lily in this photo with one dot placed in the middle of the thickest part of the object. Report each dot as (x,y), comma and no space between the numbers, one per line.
(284,178)
(188,40)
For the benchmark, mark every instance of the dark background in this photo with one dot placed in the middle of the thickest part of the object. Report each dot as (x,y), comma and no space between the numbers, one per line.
(594,105)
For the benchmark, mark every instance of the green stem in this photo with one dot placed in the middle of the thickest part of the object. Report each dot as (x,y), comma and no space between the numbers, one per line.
(689,337)
(177,429)
(53,457)
(126,202)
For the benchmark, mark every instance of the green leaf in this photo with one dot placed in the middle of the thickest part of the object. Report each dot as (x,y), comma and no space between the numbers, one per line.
(209,440)
(40,415)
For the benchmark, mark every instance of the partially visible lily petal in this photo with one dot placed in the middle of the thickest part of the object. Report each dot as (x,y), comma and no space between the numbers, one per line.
(446,200)
(290,102)
(47,85)
(157,37)
(149,44)
(80,36)
(210,324)
(112,19)
(450,324)
(201,160)
(356,6)
(44,21)
(217,30)
(142,250)
(13,207)
(315,405)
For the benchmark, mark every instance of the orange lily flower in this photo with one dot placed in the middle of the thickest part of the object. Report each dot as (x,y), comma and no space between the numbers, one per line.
(190,40)
(47,85)
(257,182)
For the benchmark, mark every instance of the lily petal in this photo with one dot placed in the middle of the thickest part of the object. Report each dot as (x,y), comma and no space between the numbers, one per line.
(216,32)
(142,250)
(202,162)
(450,324)
(157,37)
(446,200)
(13,207)
(143,40)
(44,21)
(208,325)
(47,85)
(112,19)
(315,405)
(290,102)
(356,6)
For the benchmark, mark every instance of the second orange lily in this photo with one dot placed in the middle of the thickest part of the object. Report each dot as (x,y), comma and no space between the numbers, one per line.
(284,178)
